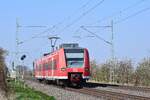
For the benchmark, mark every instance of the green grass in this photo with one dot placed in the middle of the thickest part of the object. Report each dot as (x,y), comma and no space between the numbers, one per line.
(25,93)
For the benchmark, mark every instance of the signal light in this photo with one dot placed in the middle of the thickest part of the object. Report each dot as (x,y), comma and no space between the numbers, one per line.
(23,57)
(87,69)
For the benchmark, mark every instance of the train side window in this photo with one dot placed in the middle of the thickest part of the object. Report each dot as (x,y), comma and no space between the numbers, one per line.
(36,67)
(46,66)
(40,67)
(50,65)
(54,64)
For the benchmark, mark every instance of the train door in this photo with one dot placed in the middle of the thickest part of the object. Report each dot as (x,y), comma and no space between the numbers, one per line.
(40,70)
(52,69)
(49,72)
(55,61)
(46,69)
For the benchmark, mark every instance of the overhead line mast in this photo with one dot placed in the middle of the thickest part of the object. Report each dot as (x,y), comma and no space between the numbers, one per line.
(18,42)
(16,51)
(111,43)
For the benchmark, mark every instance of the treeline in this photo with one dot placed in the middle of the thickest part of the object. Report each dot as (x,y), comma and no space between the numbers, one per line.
(122,72)
(23,72)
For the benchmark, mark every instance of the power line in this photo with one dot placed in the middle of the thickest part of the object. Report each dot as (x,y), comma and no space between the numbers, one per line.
(121,11)
(115,14)
(78,36)
(84,5)
(56,25)
(37,35)
(96,35)
(82,15)
(32,26)
(80,8)
(69,17)
(132,15)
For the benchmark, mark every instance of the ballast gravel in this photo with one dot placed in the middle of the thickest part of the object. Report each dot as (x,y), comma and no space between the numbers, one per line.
(58,93)
(131,92)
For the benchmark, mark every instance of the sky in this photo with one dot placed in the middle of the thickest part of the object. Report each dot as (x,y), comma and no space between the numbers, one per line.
(64,18)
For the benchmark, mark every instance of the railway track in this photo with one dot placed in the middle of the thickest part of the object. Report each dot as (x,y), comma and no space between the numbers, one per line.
(108,95)
(124,87)
(134,88)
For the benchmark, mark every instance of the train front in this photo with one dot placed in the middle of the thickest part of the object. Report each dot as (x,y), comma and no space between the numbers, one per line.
(77,65)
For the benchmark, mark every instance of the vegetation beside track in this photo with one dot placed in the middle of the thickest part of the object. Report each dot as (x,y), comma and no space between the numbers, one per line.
(23,92)
(3,70)
(125,72)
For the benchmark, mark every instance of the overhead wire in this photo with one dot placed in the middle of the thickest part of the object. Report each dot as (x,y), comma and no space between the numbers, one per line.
(132,15)
(82,15)
(37,35)
(96,36)
(119,21)
(118,12)
(71,15)
(121,11)
(57,24)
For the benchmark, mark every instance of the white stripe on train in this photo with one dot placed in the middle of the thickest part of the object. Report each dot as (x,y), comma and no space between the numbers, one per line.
(58,77)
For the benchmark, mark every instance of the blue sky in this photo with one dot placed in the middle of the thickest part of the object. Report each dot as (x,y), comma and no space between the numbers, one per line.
(131,37)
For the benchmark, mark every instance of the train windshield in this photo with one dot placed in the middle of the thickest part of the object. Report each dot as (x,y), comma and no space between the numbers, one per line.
(74,57)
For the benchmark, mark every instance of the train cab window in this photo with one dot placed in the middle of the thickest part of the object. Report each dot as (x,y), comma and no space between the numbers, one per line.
(74,57)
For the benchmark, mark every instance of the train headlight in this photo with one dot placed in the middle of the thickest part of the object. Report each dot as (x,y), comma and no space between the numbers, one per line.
(63,69)
(87,69)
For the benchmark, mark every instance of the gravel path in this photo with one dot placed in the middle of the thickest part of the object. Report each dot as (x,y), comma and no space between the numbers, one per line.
(60,94)
(132,92)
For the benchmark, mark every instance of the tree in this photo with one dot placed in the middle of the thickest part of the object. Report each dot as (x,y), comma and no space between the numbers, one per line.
(93,69)
(103,72)
(2,69)
(143,73)
(99,72)
(23,71)
(124,71)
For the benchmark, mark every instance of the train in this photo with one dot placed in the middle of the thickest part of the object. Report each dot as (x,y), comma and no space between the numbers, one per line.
(67,65)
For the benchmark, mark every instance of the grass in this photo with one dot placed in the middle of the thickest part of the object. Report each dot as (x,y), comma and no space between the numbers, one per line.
(23,92)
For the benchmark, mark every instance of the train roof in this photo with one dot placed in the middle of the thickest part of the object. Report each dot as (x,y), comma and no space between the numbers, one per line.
(62,46)
(69,45)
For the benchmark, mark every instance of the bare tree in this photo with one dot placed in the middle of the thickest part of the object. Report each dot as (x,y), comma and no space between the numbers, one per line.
(143,73)
(103,72)
(94,67)
(124,71)
(2,69)
(23,70)
(100,72)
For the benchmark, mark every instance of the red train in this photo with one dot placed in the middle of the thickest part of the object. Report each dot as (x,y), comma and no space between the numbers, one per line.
(67,65)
